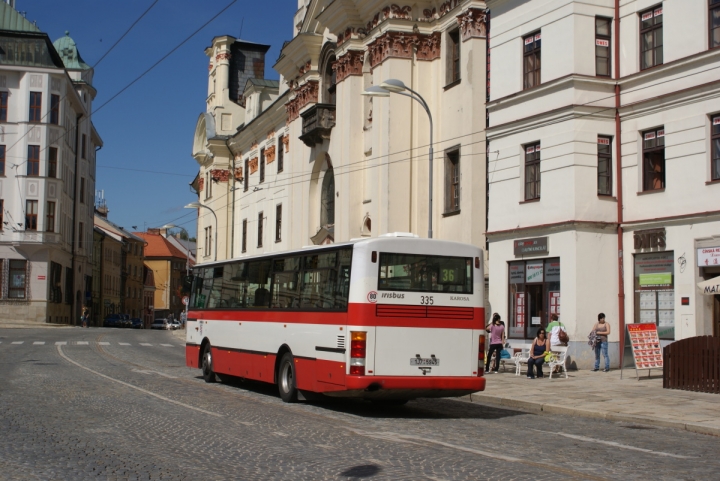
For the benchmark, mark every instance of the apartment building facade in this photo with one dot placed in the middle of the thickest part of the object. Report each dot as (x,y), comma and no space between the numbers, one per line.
(47,175)
(603,166)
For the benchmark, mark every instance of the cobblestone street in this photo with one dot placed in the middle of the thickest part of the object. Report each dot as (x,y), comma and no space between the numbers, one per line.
(120,404)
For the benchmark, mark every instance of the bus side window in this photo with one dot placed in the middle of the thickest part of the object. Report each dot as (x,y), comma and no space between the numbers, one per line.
(215,288)
(258,292)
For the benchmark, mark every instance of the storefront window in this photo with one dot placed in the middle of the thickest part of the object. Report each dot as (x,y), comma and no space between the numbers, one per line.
(654,292)
(534,295)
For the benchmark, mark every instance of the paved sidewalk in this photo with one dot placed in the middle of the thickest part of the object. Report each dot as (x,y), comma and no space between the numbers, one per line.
(605,396)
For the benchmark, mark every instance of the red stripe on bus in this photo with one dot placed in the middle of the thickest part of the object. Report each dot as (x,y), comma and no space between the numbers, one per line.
(464,383)
(357,315)
(192,356)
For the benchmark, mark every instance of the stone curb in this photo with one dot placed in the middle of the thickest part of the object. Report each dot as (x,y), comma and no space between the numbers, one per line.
(536,407)
(36,326)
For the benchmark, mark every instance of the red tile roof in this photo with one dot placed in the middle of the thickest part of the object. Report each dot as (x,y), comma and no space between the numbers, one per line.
(158,246)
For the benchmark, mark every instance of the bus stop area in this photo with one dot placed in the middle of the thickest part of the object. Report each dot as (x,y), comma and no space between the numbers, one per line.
(604,395)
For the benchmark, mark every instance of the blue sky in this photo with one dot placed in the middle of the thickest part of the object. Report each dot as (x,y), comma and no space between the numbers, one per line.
(151,125)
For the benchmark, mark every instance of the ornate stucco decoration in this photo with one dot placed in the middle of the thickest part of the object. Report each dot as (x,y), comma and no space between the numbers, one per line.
(306,94)
(201,184)
(350,64)
(253,165)
(220,175)
(392,11)
(432,14)
(351,33)
(305,68)
(270,154)
(286,143)
(270,135)
(222,56)
(401,45)
(238,174)
(254,145)
(472,24)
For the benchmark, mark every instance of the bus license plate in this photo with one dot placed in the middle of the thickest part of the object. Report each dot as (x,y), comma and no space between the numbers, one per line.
(424,361)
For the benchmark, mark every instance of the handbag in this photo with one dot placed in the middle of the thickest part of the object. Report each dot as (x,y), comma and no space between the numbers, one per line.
(563,336)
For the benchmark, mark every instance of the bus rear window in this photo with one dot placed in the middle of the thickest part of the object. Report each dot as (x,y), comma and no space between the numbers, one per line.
(424,273)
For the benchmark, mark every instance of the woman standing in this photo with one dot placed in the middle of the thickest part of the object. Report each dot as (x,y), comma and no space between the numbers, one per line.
(539,347)
(497,337)
(602,331)
(84,316)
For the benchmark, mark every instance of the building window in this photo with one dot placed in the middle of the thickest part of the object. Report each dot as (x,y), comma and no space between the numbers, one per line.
(208,241)
(69,285)
(654,291)
(3,106)
(2,217)
(532,171)
(452,181)
(18,279)
(327,199)
(83,146)
(280,154)
(534,295)
(244,236)
(55,109)
(82,190)
(2,160)
(453,58)
(31,211)
(35,106)
(714,18)
(602,46)
(262,165)
(278,223)
(330,81)
(52,162)
(654,159)
(260,230)
(81,235)
(604,172)
(33,164)
(50,217)
(246,177)
(651,38)
(531,60)
(55,283)
(715,140)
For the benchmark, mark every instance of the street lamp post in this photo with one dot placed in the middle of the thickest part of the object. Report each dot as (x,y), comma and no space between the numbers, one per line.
(187,244)
(198,205)
(394,86)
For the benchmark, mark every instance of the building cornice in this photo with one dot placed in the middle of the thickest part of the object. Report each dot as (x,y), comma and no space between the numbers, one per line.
(555,226)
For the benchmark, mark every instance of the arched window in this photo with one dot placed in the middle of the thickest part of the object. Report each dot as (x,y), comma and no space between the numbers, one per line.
(329,81)
(327,200)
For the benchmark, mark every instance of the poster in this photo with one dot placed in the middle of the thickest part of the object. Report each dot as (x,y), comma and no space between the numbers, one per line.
(645,344)
(520,309)
(554,302)
(534,272)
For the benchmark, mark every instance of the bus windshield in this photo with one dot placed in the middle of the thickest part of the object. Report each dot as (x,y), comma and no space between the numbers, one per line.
(425,273)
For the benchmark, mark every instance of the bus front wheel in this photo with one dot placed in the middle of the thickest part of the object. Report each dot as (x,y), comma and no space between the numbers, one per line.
(207,371)
(286,379)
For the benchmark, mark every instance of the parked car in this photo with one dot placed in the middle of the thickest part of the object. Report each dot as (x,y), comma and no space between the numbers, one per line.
(137,323)
(113,320)
(160,324)
(126,321)
(175,324)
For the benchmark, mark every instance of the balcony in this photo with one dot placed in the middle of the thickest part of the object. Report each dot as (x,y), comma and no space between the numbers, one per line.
(317,123)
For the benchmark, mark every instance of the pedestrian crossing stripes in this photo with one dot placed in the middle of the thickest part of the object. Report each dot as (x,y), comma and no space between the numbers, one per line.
(88,343)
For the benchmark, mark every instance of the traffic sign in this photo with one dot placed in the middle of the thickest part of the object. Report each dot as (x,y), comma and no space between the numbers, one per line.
(186,300)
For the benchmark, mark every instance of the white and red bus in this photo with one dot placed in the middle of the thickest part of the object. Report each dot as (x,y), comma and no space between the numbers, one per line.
(389,318)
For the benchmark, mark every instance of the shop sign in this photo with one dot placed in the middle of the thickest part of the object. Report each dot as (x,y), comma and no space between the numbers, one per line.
(534,246)
(655,280)
(534,272)
(649,239)
(602,43)
(552,271)
(517,273)
(708,256)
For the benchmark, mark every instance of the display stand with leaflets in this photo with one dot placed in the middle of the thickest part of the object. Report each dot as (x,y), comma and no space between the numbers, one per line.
(642,348)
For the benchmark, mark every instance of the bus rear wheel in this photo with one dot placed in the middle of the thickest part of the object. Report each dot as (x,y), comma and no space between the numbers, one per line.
(286,379)
(207,372)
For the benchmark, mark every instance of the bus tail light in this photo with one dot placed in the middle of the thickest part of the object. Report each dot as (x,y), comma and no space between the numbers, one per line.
(481,356)
(358,350)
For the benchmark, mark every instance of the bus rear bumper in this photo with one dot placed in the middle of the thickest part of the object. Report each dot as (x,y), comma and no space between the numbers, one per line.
(408,387)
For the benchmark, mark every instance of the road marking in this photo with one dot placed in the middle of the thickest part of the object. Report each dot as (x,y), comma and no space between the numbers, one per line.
(167,345)
(81,343)
(148,371)
(62,354)
(124,343)
(61,343)
(18,342)
(39,343)
(145,344)
(617,445)
(103,343)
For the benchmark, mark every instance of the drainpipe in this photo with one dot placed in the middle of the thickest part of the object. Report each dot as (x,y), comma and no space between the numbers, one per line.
(74,217)
(232,207)
(618,170)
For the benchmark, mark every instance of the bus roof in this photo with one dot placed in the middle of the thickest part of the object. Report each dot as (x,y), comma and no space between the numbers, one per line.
(365,241)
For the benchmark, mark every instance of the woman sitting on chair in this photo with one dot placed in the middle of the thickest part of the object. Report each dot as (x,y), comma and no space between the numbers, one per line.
(539,347)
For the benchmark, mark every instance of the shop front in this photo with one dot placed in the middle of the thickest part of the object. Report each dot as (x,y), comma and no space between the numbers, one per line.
(534,295)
